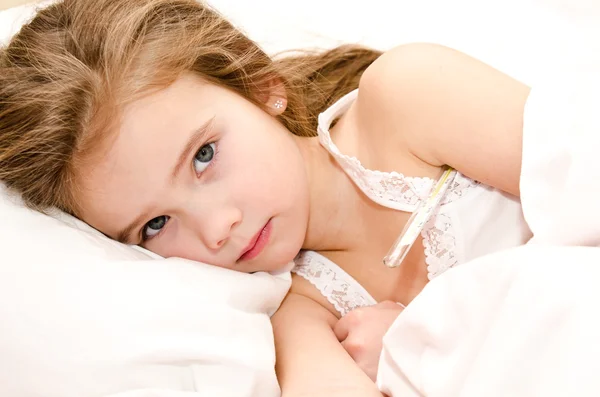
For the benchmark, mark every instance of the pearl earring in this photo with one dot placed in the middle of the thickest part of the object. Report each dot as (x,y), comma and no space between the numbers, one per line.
(278,104)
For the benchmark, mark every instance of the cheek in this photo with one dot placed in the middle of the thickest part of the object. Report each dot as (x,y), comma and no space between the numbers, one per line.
(182,243)
(269,180)
(263,166)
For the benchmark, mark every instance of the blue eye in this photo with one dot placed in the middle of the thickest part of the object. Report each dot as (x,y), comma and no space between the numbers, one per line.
(154,227)
(204,156)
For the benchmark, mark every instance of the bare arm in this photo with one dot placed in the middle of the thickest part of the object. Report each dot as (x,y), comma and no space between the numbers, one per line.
(310,360)
(447,108)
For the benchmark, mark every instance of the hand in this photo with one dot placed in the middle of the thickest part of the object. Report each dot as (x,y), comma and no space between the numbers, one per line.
(361,333)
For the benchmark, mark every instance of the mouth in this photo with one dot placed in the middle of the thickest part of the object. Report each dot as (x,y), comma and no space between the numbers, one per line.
(257,244)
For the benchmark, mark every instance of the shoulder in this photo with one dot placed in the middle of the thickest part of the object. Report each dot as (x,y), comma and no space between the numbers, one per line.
(397,95)
(413,78)
(445,107)
(412,65)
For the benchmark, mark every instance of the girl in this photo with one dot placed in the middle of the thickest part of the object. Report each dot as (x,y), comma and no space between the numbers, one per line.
(160,124)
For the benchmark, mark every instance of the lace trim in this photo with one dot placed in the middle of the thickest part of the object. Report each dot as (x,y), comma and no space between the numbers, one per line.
(396,191)
(459,188)
(390,189)
(439,241)
(340,289)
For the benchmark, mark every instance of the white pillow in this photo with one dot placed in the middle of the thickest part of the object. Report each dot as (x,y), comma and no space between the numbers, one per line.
(83,315)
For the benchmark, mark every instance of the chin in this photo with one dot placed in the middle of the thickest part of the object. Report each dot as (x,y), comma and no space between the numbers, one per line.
(282,250)
(278,262)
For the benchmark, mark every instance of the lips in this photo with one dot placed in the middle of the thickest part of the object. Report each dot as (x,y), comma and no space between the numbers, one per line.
(257,244)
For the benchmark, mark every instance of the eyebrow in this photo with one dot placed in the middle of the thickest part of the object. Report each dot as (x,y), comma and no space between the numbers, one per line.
(124,236)
(193,141)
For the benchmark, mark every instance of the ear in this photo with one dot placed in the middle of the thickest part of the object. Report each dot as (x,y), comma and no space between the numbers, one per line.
(274,97)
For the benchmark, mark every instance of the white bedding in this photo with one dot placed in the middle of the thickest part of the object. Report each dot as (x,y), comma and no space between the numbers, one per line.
(84,316)
(523,322)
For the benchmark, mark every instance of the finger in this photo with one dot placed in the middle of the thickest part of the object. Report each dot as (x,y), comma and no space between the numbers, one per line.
(351,349)
(347,323)
(344,344)
(342,328)
(355,344)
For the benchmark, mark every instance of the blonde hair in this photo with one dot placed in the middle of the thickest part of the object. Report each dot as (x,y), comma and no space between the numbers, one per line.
(67,73)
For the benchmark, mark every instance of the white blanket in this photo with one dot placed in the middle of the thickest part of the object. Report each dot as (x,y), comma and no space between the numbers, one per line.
(522,322)
(519,323)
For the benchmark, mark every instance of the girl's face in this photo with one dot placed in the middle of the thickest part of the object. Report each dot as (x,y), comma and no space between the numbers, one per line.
(197,171)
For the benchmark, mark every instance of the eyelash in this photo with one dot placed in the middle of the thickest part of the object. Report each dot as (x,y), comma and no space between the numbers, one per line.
(212,162)
(209,167)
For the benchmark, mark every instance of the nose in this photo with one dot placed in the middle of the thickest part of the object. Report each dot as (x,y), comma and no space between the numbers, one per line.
(214,224)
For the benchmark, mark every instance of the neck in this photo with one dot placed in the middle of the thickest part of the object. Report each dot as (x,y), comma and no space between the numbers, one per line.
(331,195)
